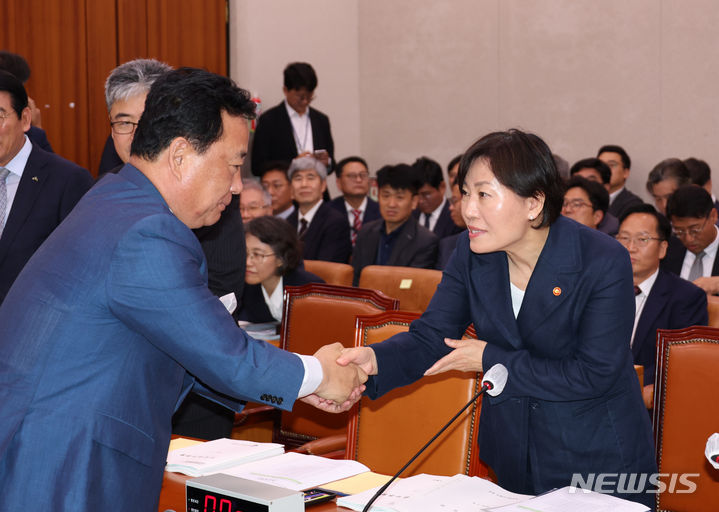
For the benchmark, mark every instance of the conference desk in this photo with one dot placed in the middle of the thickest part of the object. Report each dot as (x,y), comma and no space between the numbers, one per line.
(172,496)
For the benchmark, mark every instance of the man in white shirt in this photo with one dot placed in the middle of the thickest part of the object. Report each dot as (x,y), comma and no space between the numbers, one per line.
(433,208)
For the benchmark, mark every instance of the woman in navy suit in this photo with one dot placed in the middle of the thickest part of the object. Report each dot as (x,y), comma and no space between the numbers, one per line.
(553,302)
(273,262)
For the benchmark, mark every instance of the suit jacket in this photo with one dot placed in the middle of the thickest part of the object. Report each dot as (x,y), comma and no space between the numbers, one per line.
(572,402)
(674,258)
(327,237)
(416,246)
(609,224)
(445,226)
(48,190)
(371,211)
(39,138)
(254,308)
(624,200)
(107,329)
(446,248)
(274,138)
(673,303)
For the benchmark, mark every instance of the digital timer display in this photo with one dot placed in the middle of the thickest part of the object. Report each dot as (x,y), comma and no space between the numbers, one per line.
(202,500)
(225,493)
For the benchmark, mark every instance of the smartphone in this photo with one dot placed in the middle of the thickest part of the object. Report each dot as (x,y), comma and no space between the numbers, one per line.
(316,496)
(320,153)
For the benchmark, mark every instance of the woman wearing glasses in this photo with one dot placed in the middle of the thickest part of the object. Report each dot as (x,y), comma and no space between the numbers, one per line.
(273,259)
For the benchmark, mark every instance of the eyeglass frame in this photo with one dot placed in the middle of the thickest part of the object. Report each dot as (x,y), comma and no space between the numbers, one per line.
(113,123)
(3,116)
(639,241)
(574,204)
(692,232)
(256,257)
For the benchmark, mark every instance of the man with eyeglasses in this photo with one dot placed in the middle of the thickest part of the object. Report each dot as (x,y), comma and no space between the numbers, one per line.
(693,216)
(586,202)
(292,128)
(662,300)
(432,210)
(353,181)
(38,189)
(255,201)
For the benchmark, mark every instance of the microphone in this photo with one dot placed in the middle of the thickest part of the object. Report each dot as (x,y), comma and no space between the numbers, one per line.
(493,383)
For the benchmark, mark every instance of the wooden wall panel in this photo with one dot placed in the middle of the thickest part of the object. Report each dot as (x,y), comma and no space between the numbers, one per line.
(132,30)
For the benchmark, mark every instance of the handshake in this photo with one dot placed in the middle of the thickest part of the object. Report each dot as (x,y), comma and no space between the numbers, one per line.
(344,373)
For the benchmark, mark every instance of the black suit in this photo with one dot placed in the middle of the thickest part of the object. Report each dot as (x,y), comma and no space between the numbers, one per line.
(673,303)
(371,211)
(444,226)
(623,201)
(416,246)
(254,308)
(48,190)
(674,259)
(327,237)
(274,138)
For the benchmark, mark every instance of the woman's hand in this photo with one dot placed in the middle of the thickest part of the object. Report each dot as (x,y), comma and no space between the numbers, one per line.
(364,357)
(466,357)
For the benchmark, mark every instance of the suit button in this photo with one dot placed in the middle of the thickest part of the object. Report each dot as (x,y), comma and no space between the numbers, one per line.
(279,401)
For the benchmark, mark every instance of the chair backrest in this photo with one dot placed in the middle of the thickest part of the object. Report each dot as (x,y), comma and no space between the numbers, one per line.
(314,315)
(686,414)
(384,433)
(414,287)
(713,310)
(333,273)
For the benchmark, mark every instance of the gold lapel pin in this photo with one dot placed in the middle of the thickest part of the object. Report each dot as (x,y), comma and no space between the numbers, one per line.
(34,178)
(557,291)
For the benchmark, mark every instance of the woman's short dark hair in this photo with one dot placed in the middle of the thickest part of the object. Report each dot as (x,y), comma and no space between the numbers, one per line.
(281,236)
(521,162)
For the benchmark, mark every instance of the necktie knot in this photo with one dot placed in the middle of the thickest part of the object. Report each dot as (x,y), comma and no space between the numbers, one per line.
(637,290)
(3,173)
(303,226)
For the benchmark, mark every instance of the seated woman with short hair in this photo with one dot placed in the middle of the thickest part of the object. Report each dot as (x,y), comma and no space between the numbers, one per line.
(273,262)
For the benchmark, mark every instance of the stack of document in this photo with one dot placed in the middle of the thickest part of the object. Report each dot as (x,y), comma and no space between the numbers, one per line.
(215,456)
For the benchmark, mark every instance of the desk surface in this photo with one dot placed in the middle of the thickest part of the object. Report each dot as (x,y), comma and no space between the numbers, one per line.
(172,496)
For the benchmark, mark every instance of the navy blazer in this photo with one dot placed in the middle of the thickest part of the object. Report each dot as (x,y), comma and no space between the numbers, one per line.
(673,303)
(254,308)
(371,211)
(446,248)
(106,330)
(327,237)
(624,200)
(572,403)
(49,188)
(416,247)
(274,138)
(444,226)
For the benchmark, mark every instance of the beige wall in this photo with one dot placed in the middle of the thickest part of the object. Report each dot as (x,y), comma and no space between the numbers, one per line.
(404,78)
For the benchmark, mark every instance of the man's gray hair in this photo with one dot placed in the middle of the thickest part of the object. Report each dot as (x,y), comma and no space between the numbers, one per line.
(307,162)
(251,184)
(132,78)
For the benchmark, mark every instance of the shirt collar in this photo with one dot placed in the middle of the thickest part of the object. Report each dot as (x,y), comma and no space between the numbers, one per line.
(437,211)
(361,208)
(311,213)
(614,194)
(646,285)
(293,113)
(711,249)
(17,164)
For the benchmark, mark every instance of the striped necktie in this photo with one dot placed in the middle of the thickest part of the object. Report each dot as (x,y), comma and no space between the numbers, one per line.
(3,197)
(356,225)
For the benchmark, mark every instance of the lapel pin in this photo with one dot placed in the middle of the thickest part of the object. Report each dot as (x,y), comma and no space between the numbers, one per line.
(557,291)
(34,178)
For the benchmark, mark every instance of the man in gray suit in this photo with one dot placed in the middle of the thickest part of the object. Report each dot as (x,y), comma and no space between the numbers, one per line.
(397,238)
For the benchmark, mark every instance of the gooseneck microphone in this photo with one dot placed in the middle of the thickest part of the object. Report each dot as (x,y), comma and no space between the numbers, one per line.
(493,383)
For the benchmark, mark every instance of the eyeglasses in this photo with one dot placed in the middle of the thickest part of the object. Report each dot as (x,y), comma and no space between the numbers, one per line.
(123,127)
(639,241)
(3,116)
(574,204)
(254,207)
(692,232)
(258,257)
(355,177)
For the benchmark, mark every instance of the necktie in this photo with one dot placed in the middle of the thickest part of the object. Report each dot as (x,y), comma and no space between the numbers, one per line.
(426,220)
(637,290)
(697,269)
(303,227)
(356,225)
(3,197)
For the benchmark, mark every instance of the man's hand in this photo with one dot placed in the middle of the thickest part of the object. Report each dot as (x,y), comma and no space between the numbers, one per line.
(340,384)
(466,357)
(709,284)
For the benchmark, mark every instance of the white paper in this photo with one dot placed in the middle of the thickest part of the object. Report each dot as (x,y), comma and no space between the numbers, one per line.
(230,302)
(214,456)
(712,450)
(562,500)
(297,471)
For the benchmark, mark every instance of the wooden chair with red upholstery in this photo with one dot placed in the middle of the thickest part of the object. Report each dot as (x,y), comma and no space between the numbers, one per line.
(685,415)
(314,315)
(414,287)
(332,272)
(713,310)
(384,433)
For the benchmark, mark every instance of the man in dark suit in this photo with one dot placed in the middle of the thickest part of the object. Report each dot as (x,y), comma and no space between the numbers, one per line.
(593,169)
(662,299)
(397,238)
(353,181)
(700,174)
(293,127)
(586,202)
(111,323)
(432,207)
(324,232)
(37,189)
(620,198)
(692,253)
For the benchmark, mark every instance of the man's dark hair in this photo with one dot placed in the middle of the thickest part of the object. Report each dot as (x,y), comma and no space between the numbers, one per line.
(598,195)
(281,236)
(15,64)
(300,75)
(398,177)
(11,85)
(428,172)
(689,201)
(454,162)
(671,168)
(340,165)
(188,102)
(521,162)
(664,228)
(699,171)
(593,163)
(613,148)
(275,165)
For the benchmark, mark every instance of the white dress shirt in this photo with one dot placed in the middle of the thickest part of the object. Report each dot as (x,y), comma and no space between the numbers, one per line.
(308,216)
(350,208)
(434,216)
(710,252)
(301,129)
(16,166)
(641,299)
